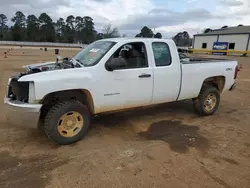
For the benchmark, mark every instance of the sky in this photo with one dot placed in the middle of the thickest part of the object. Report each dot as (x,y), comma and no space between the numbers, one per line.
(166,16)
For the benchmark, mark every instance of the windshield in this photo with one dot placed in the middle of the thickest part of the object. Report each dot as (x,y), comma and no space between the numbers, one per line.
(93,53)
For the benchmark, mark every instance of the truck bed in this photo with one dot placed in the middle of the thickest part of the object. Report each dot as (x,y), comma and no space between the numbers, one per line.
(204,60)
(193,74)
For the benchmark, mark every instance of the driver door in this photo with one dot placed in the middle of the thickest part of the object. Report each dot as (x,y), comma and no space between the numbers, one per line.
(131,86)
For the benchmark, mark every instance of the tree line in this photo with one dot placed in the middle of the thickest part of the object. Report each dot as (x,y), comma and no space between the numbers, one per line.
(148,33)
(42,29)
(70,30)
(180,39)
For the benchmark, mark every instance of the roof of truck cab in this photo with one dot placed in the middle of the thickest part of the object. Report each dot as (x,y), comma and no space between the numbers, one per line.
(134,39)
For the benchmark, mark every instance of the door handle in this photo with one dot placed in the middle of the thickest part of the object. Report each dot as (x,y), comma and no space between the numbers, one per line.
(144,75)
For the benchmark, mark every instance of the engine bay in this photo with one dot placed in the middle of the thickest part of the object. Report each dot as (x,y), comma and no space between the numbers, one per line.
(64,64)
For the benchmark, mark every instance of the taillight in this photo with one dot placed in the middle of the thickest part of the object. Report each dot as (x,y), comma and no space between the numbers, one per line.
(236,72)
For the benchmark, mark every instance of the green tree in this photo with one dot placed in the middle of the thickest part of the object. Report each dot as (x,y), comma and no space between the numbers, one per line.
(207,30)
(158,35)
(70,30)
(60,30)
(19,19)
(79,28)
(185,35)
(89,30)
(99,36)
(177,38)
(109,32)
(18,30)
(3,26)
(42,28)
(145,32)
(182,39)
(32,28)
(71,22)
(47,30)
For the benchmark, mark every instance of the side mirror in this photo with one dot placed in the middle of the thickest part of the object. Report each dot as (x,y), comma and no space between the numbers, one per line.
(115,63)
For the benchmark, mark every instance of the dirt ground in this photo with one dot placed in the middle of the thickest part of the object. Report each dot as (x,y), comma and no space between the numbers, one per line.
(162,146)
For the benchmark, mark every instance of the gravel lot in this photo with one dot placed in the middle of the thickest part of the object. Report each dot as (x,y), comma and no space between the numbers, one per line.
(161,146)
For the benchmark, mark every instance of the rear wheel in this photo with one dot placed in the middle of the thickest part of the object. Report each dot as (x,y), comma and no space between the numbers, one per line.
(67,122)
(208,101)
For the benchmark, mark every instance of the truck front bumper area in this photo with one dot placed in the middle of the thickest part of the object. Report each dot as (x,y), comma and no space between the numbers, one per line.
(22,114)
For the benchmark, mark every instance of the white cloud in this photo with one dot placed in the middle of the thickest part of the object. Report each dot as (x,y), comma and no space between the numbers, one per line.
(112,10)
(232,13)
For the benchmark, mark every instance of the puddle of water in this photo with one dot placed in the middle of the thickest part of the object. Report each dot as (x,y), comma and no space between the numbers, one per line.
(27,172)
(179,136)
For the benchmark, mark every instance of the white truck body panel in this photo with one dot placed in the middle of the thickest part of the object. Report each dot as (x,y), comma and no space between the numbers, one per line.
(193,76)
(167,79)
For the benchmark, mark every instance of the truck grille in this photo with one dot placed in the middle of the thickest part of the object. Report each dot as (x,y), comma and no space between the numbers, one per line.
(18,90)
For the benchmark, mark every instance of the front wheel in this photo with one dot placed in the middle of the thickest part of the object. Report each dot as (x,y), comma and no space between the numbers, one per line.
(67,122)
(208,101)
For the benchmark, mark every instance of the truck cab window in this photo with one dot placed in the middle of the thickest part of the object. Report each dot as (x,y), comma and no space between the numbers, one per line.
(161,54)
(134,55)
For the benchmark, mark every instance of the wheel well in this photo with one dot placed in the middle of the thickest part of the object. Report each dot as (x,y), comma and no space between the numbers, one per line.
(217,81)
(81,95)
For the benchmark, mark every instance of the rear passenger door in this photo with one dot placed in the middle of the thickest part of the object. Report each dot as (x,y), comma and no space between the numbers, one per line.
(167,72)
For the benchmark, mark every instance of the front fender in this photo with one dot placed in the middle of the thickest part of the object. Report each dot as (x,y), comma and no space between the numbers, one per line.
(59,80)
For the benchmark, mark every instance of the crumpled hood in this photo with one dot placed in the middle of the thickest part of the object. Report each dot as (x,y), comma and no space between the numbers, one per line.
(40,65)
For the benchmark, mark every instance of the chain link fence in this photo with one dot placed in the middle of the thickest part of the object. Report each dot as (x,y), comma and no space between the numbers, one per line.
(46,44)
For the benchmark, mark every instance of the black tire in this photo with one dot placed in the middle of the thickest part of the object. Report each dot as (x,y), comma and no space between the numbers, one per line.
(199,102)
(56,112)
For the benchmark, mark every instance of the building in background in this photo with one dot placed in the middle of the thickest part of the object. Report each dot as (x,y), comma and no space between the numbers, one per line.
(230,38)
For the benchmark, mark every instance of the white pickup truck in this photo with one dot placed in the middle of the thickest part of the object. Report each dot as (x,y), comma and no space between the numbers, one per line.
(112,75)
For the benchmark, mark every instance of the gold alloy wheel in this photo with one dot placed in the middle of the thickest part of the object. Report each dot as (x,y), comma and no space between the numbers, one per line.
(70,124)
(210,102)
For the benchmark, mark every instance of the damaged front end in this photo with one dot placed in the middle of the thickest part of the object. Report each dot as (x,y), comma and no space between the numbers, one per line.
(64,63)
(19,100)
(18,91)
(23,91)
(50,66)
